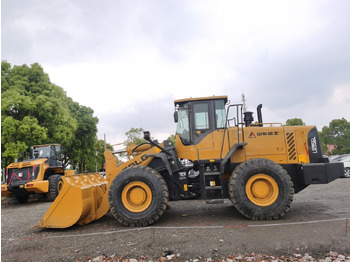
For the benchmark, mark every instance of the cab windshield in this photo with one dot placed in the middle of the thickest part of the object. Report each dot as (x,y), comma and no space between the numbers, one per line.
(41,152)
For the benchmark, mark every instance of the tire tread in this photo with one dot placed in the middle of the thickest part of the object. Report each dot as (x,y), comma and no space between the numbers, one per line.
(148,219)
(250,210)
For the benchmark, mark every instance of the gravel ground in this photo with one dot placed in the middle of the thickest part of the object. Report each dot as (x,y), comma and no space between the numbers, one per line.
(169,256)
(317,228)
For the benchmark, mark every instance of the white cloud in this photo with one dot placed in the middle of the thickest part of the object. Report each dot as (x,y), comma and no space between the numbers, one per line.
(337,105)
(340,95)
(130,60)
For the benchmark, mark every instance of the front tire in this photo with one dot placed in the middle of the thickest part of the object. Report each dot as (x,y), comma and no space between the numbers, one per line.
(55,185)
(138,196)
(260,189)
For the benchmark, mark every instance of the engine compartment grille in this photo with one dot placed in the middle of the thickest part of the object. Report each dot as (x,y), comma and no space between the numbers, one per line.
(291,146)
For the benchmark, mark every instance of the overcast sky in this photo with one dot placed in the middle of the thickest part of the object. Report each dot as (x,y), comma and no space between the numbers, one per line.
(128,60)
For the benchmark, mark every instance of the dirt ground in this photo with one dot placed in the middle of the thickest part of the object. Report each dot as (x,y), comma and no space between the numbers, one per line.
(317,223)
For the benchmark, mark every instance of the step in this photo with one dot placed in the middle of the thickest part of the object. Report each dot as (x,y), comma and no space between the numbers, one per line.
(212,173)
(213,187)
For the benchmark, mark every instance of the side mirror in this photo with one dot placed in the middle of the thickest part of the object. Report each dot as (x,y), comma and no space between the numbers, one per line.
(147,135)
(176,116)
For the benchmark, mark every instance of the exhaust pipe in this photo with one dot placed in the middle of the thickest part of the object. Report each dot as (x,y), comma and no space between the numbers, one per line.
(258,109)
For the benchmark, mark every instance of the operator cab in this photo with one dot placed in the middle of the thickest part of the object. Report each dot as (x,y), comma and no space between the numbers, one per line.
(53,152)
(198,117)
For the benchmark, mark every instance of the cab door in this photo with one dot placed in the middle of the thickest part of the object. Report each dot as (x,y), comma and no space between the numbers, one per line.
(202,126)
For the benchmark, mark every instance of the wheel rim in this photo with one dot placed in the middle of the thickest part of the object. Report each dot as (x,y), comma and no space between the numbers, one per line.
(262,190)
(347,172)
(136,196)
(59,186)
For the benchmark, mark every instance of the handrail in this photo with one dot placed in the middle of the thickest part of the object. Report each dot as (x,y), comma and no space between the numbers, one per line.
(267,124)
(239,123)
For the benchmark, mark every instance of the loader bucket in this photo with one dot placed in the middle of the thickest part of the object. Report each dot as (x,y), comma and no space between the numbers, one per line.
(84,198)
(79,202)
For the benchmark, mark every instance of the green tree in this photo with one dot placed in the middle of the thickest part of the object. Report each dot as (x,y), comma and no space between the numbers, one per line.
(134,136)
(337,134)
(83,146)
(35,111)
(172,138)
(100,159)
(295,122)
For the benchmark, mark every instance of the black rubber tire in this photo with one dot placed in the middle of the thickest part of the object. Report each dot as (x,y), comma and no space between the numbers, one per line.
(157,186)
(347,172)
(18,196)
(23,198)
(238,194)
(55,183)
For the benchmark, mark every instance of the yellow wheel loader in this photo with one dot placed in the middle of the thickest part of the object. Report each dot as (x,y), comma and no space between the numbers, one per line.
(220,152)
(40,174)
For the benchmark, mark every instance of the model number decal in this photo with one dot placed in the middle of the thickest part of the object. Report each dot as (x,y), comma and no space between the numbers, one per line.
(273,133)
(270,133)
(314,145)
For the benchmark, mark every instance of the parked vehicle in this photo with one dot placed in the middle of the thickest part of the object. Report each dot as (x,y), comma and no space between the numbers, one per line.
(39,174)
(258,166)
(346,160)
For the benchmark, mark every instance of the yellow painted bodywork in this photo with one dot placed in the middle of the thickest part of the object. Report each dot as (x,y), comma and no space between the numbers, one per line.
(78,201)
(40,161)
(179,101)
(84,197)
(69,172)
(4,191)
(267,142)
(39,185)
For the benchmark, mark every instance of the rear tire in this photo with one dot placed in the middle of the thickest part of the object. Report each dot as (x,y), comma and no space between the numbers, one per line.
(23,199)
(19,196)
(347,172)
(138,196)
(55,185)
(260,189)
